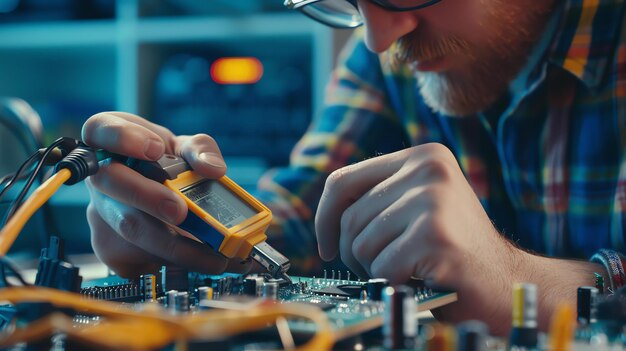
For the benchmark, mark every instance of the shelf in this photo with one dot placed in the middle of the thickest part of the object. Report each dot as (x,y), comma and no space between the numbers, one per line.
(57,34)
(162,30)
(215,28)
(69,70)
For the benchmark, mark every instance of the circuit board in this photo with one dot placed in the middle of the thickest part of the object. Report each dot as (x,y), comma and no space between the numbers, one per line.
(345,302)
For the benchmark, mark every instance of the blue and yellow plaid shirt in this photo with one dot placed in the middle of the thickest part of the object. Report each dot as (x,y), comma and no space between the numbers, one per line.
(547,161)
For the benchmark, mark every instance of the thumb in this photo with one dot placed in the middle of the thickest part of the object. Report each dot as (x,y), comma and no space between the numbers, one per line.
(203,154)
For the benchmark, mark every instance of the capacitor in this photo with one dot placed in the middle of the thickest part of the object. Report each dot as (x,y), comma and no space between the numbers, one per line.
(586,304)
(181,302)
(439,337)
(205,293)
(399,319)
(524,332)
(375,288)
(170,298)
(472,336)
(270,290)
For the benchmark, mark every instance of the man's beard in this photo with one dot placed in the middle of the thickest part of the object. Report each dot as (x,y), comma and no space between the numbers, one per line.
(490,68)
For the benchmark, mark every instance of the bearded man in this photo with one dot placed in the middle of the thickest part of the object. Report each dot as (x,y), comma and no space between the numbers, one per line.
(473,143)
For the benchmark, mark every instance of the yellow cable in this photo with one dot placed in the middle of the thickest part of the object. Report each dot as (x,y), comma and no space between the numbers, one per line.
(11,230)
(129,329)
(152,328)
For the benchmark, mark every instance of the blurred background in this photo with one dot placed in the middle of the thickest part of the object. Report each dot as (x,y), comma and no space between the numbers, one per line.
(176,62)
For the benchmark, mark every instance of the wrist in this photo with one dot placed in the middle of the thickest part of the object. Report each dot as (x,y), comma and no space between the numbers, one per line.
(521,265)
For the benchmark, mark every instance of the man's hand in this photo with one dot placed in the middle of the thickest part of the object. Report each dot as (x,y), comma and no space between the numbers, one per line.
(132,218)
(413,214)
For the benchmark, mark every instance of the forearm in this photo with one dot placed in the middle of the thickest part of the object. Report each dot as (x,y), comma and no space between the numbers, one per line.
(557,281)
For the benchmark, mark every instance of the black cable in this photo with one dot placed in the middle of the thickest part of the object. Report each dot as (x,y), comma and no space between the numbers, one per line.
(44,157)
(14,177)
(3,277)
(4,262)
(7,177)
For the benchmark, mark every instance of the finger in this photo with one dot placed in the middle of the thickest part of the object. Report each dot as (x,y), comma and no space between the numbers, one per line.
(343,187)
(126,259)
(410,255)
(127,135)
(126,185)
(202,153)
(365,210)
(380,232)
(397,261)
(157,238)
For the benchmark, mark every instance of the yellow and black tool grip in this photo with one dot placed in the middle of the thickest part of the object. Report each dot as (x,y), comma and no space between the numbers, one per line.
(231,240)
(167,167)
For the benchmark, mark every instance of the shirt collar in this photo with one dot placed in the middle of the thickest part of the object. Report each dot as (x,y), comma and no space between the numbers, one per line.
(586,38)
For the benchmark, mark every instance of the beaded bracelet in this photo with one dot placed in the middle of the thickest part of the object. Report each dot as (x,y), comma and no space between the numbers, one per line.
(613,265)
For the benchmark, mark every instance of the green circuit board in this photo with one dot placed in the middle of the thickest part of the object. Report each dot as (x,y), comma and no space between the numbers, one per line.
(345,302)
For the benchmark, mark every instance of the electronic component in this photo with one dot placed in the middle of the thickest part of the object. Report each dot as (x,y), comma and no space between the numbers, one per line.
(524,333)
(472,336)
(400,322)
(375,288)
(205,293)
(55,273)
(562,328)
(148,287)
(348,314)
(344,290)
(170,298)
(174,278)
(586,304)
(599,283)
(249,287)
(221,214)
(112,288)
(181,302)
(439,337)
(270,290)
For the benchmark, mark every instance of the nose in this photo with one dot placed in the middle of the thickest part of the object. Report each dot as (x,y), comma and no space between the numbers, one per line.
(382,27)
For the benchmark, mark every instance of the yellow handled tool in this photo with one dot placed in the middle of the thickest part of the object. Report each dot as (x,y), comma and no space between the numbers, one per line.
(221,213)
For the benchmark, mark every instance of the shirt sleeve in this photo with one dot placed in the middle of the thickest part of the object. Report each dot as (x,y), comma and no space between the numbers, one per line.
(356,123)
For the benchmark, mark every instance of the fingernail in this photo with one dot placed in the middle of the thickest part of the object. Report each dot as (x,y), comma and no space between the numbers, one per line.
(212,160)
(169,211)
(153,149)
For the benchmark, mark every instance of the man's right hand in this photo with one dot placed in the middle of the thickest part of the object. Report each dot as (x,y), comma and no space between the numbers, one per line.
(132,218)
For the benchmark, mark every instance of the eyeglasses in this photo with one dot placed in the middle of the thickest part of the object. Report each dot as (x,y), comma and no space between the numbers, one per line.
(345,13)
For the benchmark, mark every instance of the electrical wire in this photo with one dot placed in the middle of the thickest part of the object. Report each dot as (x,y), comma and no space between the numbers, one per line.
(44,157)
(127,328)
(12,178)
(11,230)
(5,265)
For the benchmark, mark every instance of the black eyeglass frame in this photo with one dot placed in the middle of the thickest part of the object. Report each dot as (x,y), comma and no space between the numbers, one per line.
(296,4)
(384,4)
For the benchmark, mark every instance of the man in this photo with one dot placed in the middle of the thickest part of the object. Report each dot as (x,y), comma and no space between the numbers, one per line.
(516,111)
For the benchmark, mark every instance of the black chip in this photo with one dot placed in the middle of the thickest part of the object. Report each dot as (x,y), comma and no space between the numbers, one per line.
(324,306)
(346,290)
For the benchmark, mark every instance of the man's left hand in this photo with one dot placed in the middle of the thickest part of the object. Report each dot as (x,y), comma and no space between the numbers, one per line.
(413,214)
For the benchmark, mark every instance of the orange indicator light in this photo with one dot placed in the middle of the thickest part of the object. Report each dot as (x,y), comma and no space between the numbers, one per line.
(237,70)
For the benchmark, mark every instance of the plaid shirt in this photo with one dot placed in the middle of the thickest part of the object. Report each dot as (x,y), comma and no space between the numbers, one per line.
(546,161)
